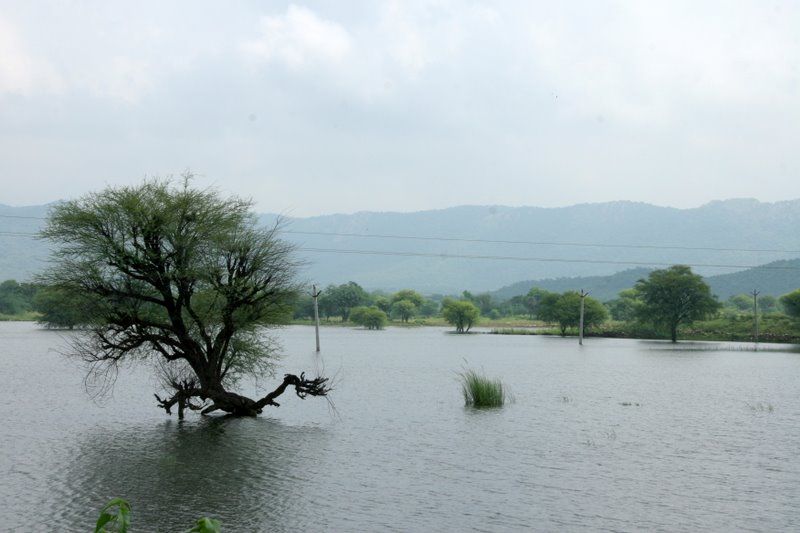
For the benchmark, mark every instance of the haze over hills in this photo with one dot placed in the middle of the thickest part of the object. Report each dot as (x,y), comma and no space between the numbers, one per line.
(718,233)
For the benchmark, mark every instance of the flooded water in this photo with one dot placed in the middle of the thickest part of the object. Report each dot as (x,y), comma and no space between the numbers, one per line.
(618,435)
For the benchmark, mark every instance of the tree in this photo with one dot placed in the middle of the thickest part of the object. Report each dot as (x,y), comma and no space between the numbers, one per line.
(546,311)
(404,309)
(567,311)
(369,317)
(180,277)
(767,303)
(407,294)
(344,297)
(741,302)
(15,297)
(674,296)
(625,308)
(383,303)
(61,308)
(461,314)
(791,303)
(532,300)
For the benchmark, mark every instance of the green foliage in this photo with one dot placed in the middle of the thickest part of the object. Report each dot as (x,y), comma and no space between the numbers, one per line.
(482,301)
(480,391)
(409,295)
(62,307)
(115,517)
(16,298)
(172,271)
(767,303)
(429,308)
(383,303)
(626,306)
(533,299)
(546,309)
(461,314)
(568,311)
(740,302)
(339,300)
(791,303)
(369,317)
(404,309)
(206,525)
(674,296)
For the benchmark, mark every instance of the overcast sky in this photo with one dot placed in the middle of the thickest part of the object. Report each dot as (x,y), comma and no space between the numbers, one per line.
(312,108)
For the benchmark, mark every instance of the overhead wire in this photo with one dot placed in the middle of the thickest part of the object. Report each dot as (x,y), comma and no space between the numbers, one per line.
(395,253)
(508,241)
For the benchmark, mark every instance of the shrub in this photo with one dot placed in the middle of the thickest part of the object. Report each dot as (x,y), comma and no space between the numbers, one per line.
(480,391)
(369,317)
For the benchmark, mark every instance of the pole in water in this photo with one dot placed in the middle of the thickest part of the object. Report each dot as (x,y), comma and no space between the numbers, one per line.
(584,294)
(315,294)
(755,294)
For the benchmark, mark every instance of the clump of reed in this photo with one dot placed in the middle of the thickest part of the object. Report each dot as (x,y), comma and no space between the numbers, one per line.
(480,391)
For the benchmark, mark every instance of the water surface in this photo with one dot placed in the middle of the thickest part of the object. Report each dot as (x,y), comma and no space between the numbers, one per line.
(618,435)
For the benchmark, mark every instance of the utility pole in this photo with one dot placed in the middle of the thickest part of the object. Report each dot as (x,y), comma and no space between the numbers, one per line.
(755,294)
(315,294)
(584,294)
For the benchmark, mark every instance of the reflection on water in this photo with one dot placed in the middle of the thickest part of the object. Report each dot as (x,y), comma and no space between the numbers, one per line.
(249,472)
(617,434)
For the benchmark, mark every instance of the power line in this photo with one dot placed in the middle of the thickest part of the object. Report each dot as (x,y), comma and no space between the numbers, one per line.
(500,257)
(534,259)
(504,241)
(544,243)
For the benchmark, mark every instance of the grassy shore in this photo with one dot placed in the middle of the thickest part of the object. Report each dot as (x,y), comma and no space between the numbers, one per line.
(772,328)
(28,316)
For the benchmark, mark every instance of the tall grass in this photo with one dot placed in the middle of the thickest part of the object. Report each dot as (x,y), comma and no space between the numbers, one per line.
(480,391)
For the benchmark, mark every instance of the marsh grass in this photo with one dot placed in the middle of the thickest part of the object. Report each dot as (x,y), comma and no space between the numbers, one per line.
(480,391)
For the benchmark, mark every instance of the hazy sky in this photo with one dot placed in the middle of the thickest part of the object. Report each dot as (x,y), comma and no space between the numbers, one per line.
(312,107)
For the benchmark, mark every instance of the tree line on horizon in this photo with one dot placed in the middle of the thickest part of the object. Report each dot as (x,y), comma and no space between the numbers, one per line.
(646,306)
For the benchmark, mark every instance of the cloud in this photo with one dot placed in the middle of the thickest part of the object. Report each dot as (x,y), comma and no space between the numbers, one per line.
(20,72)
(300,39)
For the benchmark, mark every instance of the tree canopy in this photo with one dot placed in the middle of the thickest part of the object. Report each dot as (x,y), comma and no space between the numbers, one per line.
(460,313)
(791,303)
(183,278)
(674,296)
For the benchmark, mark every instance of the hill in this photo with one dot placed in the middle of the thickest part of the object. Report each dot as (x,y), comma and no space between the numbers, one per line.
(542,243)
(770,279)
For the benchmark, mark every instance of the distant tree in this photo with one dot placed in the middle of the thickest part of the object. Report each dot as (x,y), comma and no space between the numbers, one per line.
(14,298)
(344,297)
(62,308)
(546,310)
(383,303)
(429,308)
(410,295)
(625,307)
(404,309)
(740,302)
(568,311)
(460,313)
(304,306)
(767,303)
(533,299)
(369,317)
(483,301)
(791,303)
(674,296)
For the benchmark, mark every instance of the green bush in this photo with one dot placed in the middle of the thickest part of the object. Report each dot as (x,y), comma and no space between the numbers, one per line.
(480,391)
